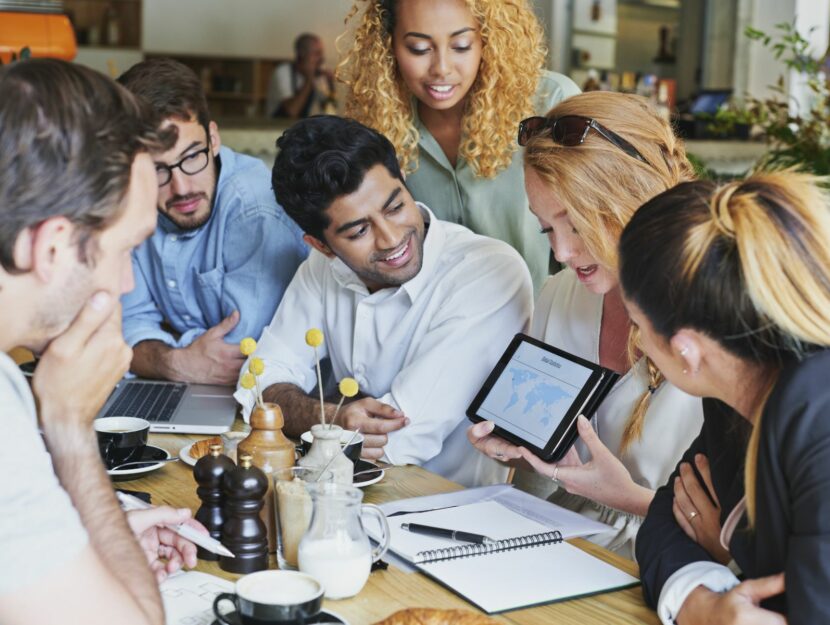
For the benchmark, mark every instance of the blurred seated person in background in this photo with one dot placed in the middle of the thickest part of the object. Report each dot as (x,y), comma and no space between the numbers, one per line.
(416,309)
(730,287)
(303,86)
(589,164)
(77,193)
(223,253)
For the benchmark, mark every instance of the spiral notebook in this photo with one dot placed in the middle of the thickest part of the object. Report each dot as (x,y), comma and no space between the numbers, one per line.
(527,565)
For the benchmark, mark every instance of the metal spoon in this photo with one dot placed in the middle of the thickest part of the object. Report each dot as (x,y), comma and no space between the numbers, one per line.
(147,462)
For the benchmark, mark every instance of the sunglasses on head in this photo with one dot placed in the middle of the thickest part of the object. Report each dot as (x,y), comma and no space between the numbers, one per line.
(571,130)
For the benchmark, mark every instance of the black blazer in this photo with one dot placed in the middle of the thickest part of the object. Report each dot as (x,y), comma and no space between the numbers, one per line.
(792,529)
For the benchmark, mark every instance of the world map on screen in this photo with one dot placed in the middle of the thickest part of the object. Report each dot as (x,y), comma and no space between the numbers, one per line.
(535,396)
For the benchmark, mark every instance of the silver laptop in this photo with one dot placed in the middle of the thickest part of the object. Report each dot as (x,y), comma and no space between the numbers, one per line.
(174,406)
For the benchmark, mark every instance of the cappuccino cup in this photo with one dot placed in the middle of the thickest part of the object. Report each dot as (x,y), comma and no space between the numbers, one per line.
(284,597)
(121,439)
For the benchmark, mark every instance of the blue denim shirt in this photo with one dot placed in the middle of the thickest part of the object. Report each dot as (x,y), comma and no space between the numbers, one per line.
(242,259)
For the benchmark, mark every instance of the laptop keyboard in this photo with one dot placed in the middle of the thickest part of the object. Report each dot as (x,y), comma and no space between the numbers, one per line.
(154,402)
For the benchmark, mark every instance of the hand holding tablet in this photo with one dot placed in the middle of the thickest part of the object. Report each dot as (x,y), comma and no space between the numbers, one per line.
(535,393)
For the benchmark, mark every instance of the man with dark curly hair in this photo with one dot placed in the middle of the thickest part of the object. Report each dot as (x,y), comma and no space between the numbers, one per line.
(416,309)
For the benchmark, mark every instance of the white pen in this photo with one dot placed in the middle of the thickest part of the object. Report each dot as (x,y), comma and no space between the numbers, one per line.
(129,502)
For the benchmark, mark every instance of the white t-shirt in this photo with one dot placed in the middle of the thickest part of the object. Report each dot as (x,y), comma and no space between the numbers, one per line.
(425,347)
(39,528)
(568,316)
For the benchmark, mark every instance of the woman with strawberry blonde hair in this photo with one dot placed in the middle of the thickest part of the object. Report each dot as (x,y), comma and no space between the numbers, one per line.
(589,164)
(447,81)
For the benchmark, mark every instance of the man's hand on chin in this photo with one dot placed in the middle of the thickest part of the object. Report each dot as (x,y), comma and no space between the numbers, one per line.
(79,368)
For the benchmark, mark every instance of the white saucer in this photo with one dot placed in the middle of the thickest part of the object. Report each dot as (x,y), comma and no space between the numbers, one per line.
(150,453)
(367,479)
(184,455)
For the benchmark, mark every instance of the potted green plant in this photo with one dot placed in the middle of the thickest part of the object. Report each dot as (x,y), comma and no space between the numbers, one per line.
(795,138)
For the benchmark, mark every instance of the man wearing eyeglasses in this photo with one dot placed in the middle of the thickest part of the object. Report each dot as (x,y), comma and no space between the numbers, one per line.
(223,253)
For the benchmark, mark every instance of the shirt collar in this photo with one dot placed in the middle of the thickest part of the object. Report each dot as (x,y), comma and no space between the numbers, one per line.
(429,144)
(434,238)
(225,161)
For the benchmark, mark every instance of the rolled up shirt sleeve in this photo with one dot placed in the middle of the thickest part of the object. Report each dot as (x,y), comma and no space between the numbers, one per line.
(716,577)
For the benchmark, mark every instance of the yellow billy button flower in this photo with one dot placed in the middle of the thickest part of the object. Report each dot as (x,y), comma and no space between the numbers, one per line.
(314,337)
(257,367)
(349,387)
(247,346)
(247,381)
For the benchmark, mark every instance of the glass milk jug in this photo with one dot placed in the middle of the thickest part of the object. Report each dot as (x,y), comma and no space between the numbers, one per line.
(336,549)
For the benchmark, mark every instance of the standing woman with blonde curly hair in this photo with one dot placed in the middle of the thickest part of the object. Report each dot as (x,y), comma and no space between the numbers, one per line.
(447,81)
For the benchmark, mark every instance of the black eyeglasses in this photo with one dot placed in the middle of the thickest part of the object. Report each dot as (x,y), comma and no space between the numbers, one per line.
(190,165)
(571,130)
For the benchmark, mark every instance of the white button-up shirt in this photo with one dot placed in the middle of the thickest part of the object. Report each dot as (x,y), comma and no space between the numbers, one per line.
(425,347)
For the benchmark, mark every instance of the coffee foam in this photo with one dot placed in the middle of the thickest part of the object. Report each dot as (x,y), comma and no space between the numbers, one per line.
(278,589)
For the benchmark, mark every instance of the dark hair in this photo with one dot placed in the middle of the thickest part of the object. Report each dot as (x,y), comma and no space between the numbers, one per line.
(388,14)
(172,88)
(68,139)
(745,263)
(302,44)
(322,158)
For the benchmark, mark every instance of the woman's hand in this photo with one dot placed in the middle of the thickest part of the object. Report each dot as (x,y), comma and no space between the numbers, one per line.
(603,479)
(695,512)
(739,606)
(481,437)
(165,550)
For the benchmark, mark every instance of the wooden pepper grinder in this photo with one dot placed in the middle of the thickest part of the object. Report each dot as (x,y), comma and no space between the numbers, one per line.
(243,531)
(271,451)
(208,473)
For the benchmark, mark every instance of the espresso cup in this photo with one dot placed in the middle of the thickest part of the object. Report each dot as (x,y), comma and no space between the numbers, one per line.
(285,597)
(352,450)
(121,439)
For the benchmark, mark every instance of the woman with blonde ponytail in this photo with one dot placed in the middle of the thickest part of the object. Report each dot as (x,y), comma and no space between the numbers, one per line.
(589,164)
(730,288)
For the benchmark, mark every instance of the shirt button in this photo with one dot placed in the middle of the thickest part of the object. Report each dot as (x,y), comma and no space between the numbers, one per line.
(187,317)
(171,284)
(173,237)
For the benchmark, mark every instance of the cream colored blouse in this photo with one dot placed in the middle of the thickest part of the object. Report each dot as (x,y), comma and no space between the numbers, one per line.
(568,316)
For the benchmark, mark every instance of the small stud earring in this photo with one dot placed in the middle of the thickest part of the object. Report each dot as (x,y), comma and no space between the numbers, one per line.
(685,371)
(684,351)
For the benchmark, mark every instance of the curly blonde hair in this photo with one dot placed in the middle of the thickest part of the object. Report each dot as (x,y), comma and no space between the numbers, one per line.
(602,186)
(512,58)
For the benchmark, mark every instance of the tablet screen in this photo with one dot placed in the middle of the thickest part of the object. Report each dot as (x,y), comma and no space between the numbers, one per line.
(533,393)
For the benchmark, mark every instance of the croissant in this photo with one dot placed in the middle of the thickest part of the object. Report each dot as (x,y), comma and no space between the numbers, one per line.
(433,616)
(202,447)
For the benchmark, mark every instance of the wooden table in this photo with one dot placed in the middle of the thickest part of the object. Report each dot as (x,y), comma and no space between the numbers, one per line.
(392,590)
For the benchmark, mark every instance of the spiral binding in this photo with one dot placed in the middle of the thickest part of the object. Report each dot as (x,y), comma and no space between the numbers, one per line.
(475,549)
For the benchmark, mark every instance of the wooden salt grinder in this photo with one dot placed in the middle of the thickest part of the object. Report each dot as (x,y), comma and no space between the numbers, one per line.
(271,451)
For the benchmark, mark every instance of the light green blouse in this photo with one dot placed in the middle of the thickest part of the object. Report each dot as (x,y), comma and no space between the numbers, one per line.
(496,207)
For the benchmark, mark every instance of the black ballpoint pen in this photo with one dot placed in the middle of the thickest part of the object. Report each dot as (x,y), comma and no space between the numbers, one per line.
(466,537)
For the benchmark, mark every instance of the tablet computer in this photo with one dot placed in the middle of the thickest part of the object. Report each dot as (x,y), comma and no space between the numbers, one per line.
(535,393)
